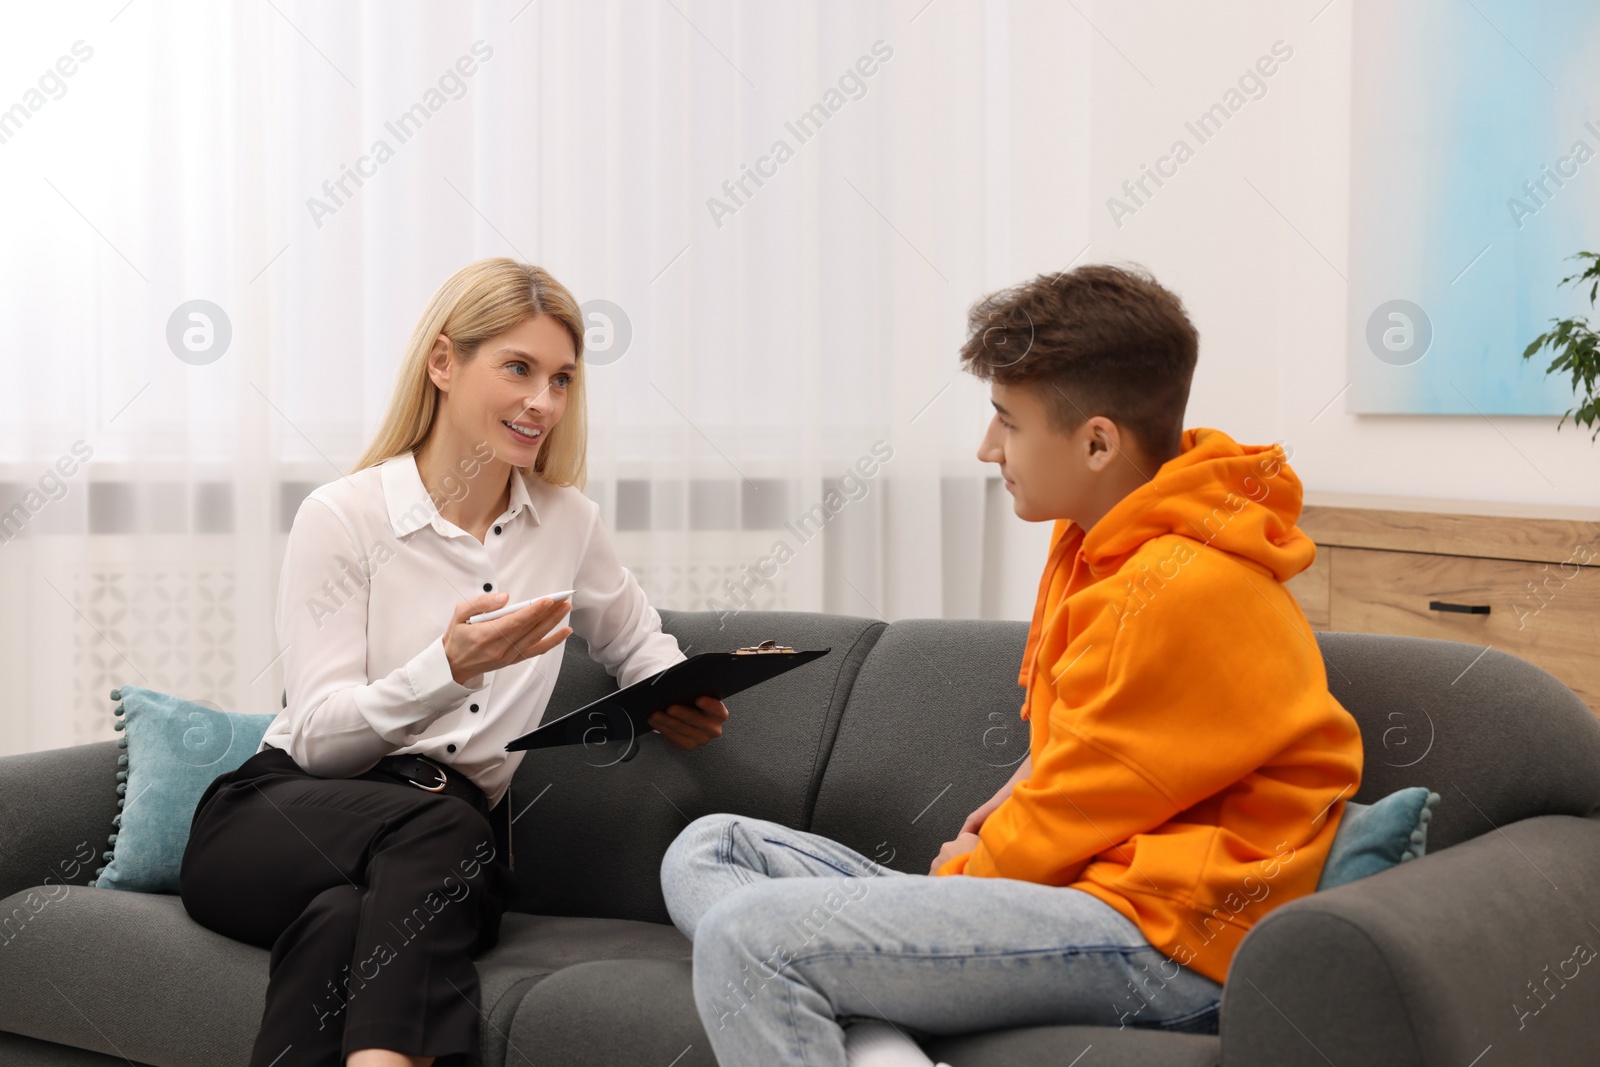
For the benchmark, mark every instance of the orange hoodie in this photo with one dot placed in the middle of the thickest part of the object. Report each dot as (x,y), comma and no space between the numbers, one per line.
(1190,767)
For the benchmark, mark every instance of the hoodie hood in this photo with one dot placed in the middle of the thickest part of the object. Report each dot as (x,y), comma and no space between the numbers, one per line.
(1241,499)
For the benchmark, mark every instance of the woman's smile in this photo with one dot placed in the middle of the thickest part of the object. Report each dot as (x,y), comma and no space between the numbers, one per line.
(524,431)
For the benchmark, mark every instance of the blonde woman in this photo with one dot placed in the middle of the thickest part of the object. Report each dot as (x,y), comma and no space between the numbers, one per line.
(365,843)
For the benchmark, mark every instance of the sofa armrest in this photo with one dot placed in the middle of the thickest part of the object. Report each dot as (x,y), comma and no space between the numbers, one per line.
(56,808)
(1488,943)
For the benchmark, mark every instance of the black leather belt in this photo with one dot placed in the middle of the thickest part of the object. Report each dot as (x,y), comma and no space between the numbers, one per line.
(428,774)
(418,770)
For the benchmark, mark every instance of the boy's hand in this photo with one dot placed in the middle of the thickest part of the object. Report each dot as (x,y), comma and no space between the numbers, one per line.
(964,842)
(690,727)
(976,820)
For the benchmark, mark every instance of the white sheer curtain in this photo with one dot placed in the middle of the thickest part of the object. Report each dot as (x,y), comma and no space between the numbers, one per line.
(786,337)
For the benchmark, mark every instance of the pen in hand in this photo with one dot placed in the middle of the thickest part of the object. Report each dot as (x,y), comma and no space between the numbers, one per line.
(528,631)
(485,616)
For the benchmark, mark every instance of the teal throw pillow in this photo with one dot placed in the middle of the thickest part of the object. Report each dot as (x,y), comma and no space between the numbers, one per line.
(175,748)
(1375,837)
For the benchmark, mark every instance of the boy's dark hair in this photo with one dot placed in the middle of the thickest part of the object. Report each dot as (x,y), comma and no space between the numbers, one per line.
(1098,340)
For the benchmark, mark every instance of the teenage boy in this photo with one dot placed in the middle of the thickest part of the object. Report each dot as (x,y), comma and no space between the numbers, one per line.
(1187,765)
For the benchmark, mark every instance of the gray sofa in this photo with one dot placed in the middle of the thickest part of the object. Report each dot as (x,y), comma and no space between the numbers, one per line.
(886,745)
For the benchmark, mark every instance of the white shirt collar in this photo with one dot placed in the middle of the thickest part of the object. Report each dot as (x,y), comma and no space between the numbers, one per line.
(411,508)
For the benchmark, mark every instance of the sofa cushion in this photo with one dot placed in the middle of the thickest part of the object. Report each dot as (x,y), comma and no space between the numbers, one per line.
(590,831)
(1063,1046)
(172,750)
(533,949)
(932,729)
(613,1012)
(572,1018)
(130,974)
(1498,738)
(19,1051)
(1375,837)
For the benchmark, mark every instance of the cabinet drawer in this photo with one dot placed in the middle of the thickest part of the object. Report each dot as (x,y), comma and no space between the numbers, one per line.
(1545,613)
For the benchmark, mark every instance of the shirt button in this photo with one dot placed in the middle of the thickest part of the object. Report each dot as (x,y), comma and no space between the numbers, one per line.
(449,748)
(497,529)
(473,708)
(488,587)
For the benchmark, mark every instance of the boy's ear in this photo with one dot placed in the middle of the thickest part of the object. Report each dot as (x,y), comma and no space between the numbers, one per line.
(1107,443)
(1102,441)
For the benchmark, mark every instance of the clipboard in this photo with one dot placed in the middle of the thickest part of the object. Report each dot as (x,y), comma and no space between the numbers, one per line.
(624,714)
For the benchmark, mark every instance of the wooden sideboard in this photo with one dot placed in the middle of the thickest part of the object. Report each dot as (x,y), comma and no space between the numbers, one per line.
(1522,579)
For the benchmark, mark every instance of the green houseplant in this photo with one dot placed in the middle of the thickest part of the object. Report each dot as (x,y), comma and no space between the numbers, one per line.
(1574,344)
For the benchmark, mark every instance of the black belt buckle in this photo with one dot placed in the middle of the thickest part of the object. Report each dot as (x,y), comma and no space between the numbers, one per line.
(443,778)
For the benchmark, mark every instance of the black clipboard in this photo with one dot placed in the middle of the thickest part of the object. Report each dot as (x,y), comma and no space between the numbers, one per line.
(622,715)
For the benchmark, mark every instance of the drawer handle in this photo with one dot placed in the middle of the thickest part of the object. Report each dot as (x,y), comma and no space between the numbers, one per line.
(1465,609)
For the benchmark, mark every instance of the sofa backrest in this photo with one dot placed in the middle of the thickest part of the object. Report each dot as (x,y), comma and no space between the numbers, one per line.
(887,744)
(936,704)
(931,730)
(1497,738)
(590,831)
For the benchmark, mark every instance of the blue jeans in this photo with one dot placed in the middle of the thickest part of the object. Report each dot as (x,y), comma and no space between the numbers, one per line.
(793,932)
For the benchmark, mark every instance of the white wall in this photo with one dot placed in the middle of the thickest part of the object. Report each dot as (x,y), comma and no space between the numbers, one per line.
(1269,302)
(985,153)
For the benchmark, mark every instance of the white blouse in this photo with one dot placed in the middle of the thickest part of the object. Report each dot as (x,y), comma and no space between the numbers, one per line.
(370,576)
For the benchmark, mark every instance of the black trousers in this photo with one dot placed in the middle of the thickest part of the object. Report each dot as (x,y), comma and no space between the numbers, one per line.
(372,894)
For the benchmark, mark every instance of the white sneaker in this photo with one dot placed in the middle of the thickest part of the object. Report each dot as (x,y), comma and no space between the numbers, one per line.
(875,1043)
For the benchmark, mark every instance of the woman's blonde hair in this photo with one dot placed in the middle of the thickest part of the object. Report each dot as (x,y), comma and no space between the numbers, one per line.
(478,302)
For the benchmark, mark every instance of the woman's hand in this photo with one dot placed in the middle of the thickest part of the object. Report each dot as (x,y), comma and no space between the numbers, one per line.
(475,647)
(690,727)
(963,844)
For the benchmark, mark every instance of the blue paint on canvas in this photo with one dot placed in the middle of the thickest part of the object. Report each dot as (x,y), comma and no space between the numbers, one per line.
(1476,139)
